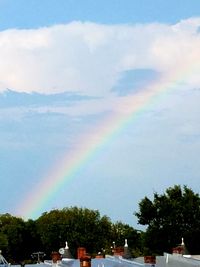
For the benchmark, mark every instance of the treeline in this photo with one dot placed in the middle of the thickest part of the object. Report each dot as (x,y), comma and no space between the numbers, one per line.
(80,227)
(168,218)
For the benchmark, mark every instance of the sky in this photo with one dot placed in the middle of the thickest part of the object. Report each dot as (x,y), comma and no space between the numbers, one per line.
(99,103)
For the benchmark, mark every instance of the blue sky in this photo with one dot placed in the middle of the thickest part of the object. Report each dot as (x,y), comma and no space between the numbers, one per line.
(36,13)
(66,67)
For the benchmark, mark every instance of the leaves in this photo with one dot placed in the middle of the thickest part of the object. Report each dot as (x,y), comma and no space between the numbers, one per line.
(170,216)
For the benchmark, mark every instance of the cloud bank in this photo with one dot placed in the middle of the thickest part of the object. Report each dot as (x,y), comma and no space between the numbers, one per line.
(90,58)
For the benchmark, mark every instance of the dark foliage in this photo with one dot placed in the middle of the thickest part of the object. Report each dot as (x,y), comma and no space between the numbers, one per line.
(169,217)
(80,227)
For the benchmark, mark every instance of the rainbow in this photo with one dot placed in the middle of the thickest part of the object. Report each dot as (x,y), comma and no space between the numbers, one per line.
(70,165)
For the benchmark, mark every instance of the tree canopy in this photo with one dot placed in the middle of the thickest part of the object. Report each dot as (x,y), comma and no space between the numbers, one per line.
(169,217)
(80,227)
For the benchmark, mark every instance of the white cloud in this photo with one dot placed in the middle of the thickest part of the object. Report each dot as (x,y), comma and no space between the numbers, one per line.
(88,57)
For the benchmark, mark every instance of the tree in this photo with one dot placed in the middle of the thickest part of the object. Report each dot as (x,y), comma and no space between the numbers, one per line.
(169,217)
(31,240)
(12,235)
(3,241)
(121,231)
(78,226)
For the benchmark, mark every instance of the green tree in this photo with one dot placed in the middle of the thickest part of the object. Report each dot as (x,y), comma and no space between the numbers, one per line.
(169,217)
(121,231)
(31,239)
(77,226)
(12,234)
(3,241)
